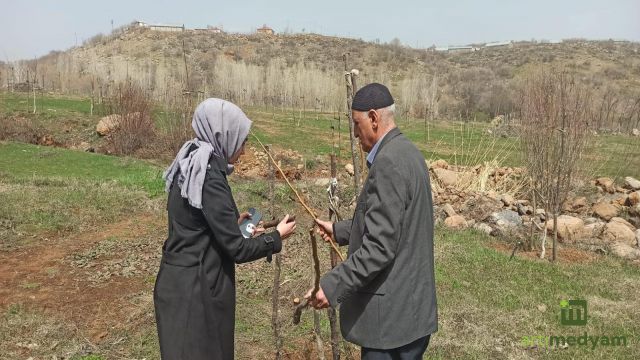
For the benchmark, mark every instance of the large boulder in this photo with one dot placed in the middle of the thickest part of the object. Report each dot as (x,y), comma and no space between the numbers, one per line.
(605,211)
(524,209)
(506,219)
(448,209)
(446,177)
(634,198)
(455,222)
(638,238)
(440,164)
(482,227)
(625,251)
(593,230)
(579,203)
(619,230)
(606,184)
(570,228)
(108,124)
(481,207)
(632,183)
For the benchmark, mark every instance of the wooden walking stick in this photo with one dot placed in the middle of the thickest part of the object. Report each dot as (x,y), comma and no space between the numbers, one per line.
(316,281)
(300,200)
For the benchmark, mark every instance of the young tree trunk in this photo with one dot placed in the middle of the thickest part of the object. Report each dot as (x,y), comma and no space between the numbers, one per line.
(275,292)
(543,251)
(317,332)
(354,141)
(331,312)
(555,235)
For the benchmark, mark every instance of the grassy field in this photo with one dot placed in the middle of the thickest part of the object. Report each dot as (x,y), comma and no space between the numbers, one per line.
(311,134)
(80,239)
(91,227)
(52,190)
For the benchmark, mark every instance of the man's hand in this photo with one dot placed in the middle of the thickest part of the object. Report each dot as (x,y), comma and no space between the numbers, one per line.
(325,229)
(320,301)
(243,216)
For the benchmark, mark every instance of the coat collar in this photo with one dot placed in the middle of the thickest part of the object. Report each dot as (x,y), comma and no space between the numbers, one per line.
(390,135)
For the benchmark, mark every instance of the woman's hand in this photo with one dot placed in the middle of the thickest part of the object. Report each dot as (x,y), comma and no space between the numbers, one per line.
(259,230)
(286,227)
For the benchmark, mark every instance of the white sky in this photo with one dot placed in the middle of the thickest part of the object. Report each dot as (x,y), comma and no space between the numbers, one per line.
(30,28)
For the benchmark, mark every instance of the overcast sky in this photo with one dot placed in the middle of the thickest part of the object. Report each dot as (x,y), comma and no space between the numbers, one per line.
(30,28)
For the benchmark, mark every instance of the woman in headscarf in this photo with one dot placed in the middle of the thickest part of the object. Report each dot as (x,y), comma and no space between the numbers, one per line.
(194,295)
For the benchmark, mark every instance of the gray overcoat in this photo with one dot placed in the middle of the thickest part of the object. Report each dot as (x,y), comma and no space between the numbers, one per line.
(386,287)
(195,291)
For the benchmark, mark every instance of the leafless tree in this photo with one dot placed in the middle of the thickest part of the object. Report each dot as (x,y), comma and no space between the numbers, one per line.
(555,116)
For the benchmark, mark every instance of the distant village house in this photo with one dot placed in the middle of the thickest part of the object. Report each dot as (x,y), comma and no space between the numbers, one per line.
(265,30)
(498,44)
(159,27)
(210,29)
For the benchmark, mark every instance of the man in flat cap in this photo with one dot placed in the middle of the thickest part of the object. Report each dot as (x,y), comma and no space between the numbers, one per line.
(386,287)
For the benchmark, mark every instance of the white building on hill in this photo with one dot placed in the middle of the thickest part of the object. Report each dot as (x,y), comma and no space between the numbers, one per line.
(159,27)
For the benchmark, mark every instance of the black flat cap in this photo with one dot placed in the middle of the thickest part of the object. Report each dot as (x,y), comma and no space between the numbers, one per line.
(372,96)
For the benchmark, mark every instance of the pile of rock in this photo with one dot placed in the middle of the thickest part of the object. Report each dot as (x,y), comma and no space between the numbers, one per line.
(476,179)
(611,220)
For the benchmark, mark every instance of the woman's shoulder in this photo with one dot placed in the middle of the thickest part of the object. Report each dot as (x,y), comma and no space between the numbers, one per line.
(217,168)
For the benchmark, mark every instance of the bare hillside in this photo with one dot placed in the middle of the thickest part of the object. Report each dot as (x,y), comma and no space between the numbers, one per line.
(306,70)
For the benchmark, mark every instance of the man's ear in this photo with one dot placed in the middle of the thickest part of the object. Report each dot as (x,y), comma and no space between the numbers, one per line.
(374,116)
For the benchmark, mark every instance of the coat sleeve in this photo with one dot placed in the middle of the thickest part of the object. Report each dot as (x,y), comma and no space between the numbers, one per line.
(219,210)
(383,216)
(342,231)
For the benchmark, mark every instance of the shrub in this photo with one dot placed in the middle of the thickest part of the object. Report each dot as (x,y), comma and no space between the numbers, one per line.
(135,128)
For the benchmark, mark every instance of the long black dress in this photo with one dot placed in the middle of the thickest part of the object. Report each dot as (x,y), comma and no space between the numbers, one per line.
(194,294)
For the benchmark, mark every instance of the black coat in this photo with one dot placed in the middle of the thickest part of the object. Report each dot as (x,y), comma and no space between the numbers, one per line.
(195,294)
(386,287)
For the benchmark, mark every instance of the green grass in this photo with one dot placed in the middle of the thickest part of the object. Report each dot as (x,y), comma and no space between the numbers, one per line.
(46,190)
(488,302)
(310,133)
(66,119)
(53,105)
(22,162)
(458,143)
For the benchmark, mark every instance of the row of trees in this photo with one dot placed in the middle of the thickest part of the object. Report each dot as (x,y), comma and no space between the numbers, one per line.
(431,92)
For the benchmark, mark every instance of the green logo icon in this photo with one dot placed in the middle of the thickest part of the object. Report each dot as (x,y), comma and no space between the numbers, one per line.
(573,312)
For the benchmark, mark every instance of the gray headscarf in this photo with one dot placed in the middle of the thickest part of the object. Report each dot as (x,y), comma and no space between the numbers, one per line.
(221,128)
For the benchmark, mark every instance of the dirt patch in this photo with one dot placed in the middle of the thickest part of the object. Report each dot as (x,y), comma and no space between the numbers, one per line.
(255,164)
(41,276)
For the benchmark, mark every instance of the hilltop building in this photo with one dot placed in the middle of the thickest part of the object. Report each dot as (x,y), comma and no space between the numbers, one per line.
(159,27)
(265,30)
